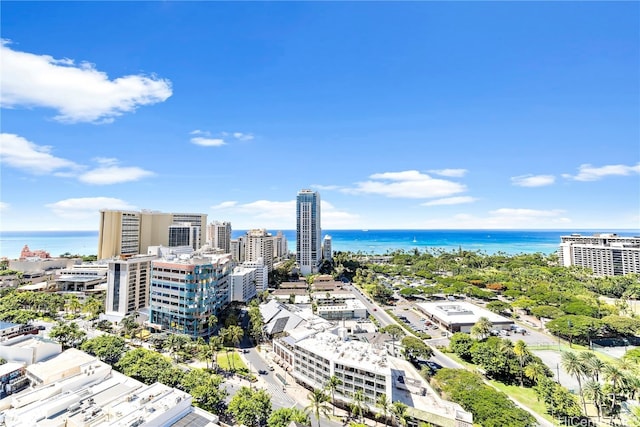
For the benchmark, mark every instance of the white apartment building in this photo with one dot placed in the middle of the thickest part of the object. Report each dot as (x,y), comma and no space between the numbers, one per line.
(128,283)
(219,235)
(604,254)
(262,274)
(327,252)
(238,248)
(281,248)
(308,230)
(313,357)
(243,284)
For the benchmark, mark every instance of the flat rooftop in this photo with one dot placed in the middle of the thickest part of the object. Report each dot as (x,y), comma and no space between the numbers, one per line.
(460,312)
(353,353)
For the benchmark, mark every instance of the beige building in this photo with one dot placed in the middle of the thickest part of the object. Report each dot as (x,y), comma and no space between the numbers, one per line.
(127,233)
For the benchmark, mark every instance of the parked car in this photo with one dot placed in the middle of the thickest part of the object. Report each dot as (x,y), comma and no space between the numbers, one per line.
(271,368)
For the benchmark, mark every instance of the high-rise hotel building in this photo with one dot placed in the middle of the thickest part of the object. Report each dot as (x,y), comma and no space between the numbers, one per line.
(308,230)
(123,234)
(605,254)
(219,235)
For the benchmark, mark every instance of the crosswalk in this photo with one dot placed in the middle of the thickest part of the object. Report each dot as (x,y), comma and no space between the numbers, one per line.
(278,397)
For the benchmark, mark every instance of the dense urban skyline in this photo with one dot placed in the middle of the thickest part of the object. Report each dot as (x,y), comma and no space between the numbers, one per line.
(403,115)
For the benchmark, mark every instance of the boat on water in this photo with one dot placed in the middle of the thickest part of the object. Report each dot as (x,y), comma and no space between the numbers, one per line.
(414,239)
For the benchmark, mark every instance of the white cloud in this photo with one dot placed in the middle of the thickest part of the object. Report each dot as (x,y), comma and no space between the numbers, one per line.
(277,214)
(453,173)
(4,206)
(525,213)
(114,175)
(80,93)
(409,184)
(86,207)
(204,138)
(450,201)
(208,142)
(587,172)
(533,180)
(225,205)
(325,187)
(243,136)
(18,152)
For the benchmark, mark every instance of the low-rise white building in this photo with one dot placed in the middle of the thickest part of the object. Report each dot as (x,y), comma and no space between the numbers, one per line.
(347,309)
(82,391)
(312,357)
(28,349)
(460,316)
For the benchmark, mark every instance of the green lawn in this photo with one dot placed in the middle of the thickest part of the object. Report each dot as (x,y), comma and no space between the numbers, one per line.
(526,396)
(233,356)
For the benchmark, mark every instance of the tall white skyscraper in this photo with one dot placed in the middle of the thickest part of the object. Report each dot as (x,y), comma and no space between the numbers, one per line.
(308,230)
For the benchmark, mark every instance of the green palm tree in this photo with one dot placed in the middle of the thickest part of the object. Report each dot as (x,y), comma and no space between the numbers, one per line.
(482,328)
(212,321)
(593,366)
(399,409)
(318,404)
(384,404)
(522,352)
(233,334)
(359,403)
(215,344)
(617,379)
(535,371)
(593,390)
(573,366)
(332,386)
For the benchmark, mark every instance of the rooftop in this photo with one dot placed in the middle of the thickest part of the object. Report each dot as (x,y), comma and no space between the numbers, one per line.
(353,353)
(460,312)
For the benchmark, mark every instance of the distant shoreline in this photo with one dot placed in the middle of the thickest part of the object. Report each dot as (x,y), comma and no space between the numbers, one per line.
(370,242)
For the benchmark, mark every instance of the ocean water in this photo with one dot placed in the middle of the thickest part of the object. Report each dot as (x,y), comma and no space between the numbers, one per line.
(365,241)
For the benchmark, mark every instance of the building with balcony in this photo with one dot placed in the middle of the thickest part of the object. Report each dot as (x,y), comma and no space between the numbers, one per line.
(604,254)
(312,357)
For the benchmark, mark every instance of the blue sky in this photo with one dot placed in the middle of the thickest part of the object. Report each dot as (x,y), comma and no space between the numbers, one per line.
(402,115)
